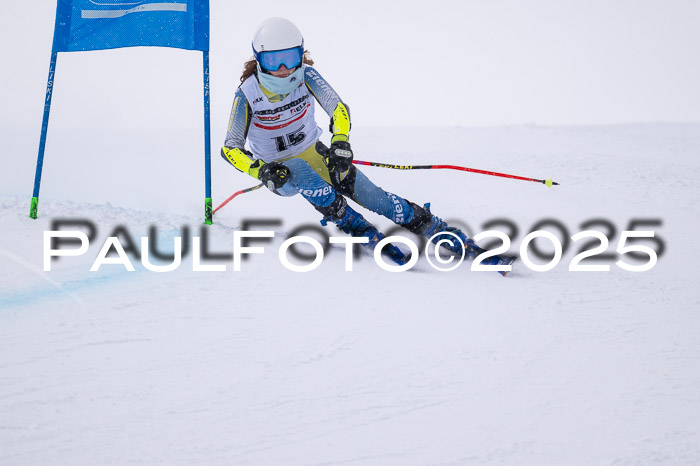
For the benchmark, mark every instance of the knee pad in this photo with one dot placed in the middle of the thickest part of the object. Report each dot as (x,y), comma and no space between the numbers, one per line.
(336,209)
(346,186)
(421,219)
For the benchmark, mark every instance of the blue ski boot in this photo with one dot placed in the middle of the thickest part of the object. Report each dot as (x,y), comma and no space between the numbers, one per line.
(426,224)
(352,222)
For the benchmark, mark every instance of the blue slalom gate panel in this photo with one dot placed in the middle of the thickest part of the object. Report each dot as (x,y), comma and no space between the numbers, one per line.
(106,24)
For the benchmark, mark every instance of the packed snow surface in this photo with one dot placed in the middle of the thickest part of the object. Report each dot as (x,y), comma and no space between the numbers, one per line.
(268,366)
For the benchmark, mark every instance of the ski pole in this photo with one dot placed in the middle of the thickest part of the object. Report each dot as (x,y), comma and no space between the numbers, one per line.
(547,182)
(242,191)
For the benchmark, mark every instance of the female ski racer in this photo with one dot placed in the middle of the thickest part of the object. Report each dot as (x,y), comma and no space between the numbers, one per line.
(273,109)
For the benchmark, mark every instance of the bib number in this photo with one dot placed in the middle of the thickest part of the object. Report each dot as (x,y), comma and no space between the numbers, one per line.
(290,139)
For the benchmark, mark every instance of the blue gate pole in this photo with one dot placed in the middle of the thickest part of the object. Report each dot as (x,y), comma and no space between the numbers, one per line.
(44,130)
(207,143)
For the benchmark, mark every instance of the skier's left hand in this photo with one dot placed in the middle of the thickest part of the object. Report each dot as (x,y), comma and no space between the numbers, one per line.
(339,157)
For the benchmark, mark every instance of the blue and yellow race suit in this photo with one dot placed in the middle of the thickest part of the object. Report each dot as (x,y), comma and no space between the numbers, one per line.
(282,128)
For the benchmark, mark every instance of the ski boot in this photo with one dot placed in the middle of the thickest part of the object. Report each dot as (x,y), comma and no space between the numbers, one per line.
(352,222)
(426,224)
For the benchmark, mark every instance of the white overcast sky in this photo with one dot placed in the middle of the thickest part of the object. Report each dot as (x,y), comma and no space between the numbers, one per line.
(412,63)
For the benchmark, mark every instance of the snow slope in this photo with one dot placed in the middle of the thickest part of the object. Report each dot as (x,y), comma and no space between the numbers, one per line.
(267,366)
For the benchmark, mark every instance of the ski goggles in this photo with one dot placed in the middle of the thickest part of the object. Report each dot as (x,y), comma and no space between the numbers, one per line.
(271,61)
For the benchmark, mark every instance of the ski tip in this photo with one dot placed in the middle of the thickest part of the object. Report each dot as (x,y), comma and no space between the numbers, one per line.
(508,261)
(397,255)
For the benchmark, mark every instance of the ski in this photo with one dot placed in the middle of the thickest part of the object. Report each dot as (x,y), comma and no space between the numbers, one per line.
(500,260)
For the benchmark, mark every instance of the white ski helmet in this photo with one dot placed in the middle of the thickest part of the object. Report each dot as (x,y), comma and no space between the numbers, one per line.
(278,34)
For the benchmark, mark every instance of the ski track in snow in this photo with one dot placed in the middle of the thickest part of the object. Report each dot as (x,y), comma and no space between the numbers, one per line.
(268,366)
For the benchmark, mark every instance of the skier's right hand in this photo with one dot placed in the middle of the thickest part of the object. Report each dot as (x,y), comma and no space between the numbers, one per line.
(274,175)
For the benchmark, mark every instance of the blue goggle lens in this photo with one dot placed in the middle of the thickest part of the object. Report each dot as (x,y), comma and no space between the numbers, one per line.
(290,58)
